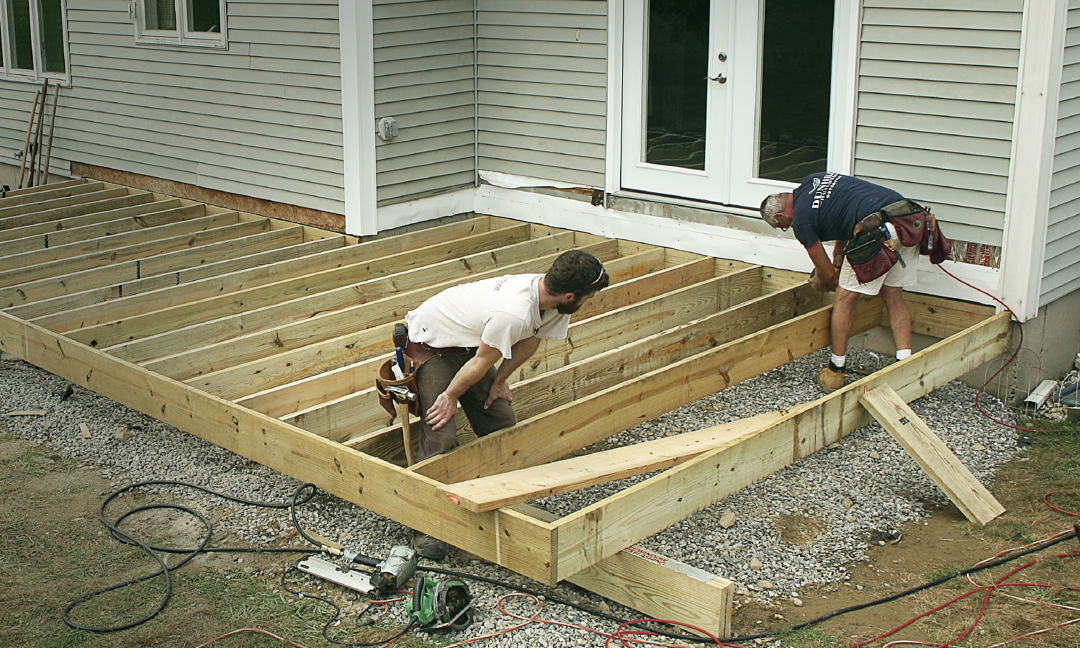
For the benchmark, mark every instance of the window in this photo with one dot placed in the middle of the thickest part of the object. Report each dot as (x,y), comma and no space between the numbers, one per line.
(198,23)
(33,42)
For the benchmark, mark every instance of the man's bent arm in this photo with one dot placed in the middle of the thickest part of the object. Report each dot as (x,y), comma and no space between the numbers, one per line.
(445,406)
(826,272)
(519,353)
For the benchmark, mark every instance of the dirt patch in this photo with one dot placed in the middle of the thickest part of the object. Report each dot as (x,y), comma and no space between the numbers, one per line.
(798,530)
(941,545)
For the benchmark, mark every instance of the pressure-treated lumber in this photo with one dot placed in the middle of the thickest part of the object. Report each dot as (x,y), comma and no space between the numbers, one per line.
(92,226)
(931,453)
(359,413)
(507,488)
(230,344)
(510,539)
(153,272)
(661,587)
(48,192)
(600,530)
(587,420)
(216,232)
(60,213)
(295,298)
(67,312)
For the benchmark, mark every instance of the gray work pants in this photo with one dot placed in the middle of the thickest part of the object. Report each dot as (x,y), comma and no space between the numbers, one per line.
(432,379)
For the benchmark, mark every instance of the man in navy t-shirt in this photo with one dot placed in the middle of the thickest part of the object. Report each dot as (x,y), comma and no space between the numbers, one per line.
(826,207)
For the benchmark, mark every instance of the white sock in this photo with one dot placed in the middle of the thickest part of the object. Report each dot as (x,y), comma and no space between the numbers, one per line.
(902,353)
(838,361)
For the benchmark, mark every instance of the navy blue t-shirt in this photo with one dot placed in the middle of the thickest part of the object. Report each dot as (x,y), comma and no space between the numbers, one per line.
(828,205)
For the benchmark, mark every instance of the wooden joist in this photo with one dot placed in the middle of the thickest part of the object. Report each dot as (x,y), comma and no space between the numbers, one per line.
(931,453)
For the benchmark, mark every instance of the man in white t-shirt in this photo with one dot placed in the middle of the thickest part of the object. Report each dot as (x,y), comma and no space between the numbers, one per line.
(466,330)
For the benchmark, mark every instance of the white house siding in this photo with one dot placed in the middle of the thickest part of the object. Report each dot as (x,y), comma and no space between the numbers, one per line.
(424,79)
(542,88)
(261,119)
(936,92)
(1061,273)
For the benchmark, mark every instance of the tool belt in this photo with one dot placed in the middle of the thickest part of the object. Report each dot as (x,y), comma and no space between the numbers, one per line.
(393,390)
(871,256)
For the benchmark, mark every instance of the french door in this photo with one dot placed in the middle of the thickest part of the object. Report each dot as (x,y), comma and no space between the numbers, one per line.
(729,100)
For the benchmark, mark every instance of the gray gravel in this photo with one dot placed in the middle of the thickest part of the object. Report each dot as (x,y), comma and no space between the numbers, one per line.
(805,525)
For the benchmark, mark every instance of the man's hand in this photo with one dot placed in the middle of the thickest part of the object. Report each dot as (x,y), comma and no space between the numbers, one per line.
(499,389)
(441,411)
(824,286)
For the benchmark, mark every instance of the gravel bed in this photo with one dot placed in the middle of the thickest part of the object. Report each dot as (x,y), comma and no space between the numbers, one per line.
(804,525)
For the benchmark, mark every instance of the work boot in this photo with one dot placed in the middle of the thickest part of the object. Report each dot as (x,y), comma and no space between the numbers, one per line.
(831,378)
(428,547)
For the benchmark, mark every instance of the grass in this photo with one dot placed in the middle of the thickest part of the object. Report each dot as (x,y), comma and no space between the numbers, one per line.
(53,550)
(807,638)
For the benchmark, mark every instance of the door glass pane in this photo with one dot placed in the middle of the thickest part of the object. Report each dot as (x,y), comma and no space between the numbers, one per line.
(678,52)
(18,19)
(161,15)
(204,16)
(52,35)
(796,78)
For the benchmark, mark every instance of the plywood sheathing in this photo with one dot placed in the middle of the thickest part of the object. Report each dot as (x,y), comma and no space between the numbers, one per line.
(262,337)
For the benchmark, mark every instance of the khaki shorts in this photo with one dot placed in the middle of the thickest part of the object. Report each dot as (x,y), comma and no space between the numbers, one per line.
(898,275)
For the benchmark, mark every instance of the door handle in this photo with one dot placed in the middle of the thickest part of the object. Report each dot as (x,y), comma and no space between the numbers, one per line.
(719,78)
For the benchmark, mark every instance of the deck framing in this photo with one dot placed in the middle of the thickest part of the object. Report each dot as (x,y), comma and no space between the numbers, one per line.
(262,337)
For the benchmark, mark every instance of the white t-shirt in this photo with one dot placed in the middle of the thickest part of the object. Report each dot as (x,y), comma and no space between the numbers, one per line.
(500,311)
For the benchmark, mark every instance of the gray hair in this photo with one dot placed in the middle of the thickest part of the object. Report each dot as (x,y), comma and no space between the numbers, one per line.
(770,207)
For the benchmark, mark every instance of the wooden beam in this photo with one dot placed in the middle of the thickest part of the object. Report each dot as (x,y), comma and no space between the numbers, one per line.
(295,298)
(931,453)
(50,191)
(97,238)
(513,540)
(149,273)
(251,266)
(939,317)
(602,529)
(60,213)
(273,246)
(661,587)
(45,204)
(525,484)
(33,237)
(186,362)
(350,414)
(181,242)
(586,420)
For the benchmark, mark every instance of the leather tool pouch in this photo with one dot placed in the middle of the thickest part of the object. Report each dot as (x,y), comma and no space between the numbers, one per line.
(867,253)
(388,397)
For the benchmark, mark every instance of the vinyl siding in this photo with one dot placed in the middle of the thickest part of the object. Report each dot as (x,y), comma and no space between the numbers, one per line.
(542,96)
(424,79)
(1061,272)
(261,119)
(936,102)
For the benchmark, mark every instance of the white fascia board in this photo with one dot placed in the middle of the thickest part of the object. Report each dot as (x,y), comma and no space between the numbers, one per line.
(358,116)
(702,238)
(428,209)
(1027,204)
(847,31)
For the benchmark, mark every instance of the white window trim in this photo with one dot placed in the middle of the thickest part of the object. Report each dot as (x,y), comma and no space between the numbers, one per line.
(181,36)
(37,74)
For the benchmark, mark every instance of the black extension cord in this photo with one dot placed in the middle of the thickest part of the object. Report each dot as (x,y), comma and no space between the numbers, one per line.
(306,492)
